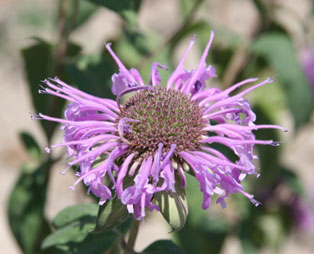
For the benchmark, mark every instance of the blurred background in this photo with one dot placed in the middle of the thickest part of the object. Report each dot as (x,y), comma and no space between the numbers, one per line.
(254,38)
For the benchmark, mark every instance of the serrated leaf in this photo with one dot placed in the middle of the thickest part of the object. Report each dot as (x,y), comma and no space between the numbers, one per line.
(26,207)
(84,213)
(111,214)
(164,247)
(173,206)
(38,62)
(77,238)
(279,51)
(92,74)
(75,232)
(31,145)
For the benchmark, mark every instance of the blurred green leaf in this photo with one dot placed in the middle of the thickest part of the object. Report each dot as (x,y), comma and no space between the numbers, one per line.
(278,50)
(125,8)
(248,247)
(77,238)
(292,180)
(73,49)
(92,74)
(26,207)
(111,214)
(268,155)
(82,212)
(84,11)
(173,206)
(164,247)
(195,199)
(203,232)
(31,145)
(134,48)
(63,237)
(187,6)
(261,9)
(77,14)
(272,229)
(75,232)
(38,61)
(190,29)
(204,238)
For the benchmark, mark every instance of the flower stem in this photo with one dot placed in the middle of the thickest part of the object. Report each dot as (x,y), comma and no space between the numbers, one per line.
(132,236)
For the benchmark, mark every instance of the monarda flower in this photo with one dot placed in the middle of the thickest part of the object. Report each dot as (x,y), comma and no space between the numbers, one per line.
(147,145)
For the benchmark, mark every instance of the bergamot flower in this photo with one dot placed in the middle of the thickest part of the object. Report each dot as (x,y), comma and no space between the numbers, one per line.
(165,130)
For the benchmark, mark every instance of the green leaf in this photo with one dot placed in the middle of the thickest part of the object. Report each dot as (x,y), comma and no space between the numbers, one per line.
(124,8)
(190,29)
(26,207)
(205,238)
(75,232)
(85,11)
(173,206)
(187,6)
(31,145)
(204,231)
(82,213)
(92,74)
(38,62)
(134,47)
(261,9)
(111,214)
(164,247)
(278,50)
(77,238)
(268,155)
(291,179)
(73,49)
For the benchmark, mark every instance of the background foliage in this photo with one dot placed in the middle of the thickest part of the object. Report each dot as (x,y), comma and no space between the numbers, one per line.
(271,50)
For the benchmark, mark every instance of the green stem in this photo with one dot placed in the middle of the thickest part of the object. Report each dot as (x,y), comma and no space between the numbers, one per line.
(132,237)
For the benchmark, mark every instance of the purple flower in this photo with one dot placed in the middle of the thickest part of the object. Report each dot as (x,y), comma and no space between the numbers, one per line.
(137,149)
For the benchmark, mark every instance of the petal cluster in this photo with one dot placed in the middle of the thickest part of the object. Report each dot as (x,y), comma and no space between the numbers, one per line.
(94,136)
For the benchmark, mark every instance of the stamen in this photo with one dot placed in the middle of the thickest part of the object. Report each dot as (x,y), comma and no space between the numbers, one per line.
(35,116)
(168,156)
(155,74)
(66,170)
(157,162)
(134,166)
(129,90)
(121,127)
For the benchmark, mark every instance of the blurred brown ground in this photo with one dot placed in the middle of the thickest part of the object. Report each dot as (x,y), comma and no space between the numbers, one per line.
(16,28)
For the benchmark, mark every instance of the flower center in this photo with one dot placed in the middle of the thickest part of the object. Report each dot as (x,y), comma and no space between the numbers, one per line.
(163,116)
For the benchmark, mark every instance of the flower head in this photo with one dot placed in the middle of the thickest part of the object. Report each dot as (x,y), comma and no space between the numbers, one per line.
(139,148)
